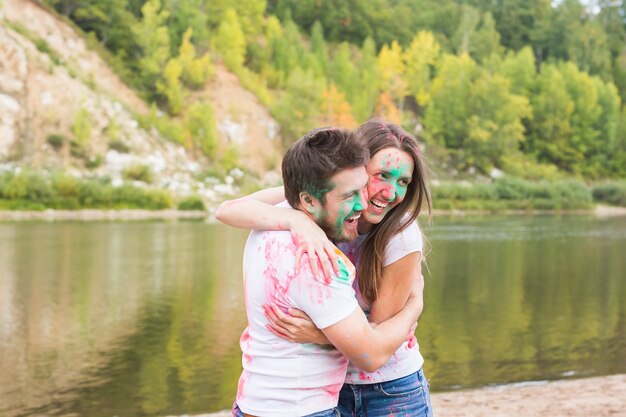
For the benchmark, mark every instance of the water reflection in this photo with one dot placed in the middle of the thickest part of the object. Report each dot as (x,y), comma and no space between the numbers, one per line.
(143,319)
(126,318)
(514,299)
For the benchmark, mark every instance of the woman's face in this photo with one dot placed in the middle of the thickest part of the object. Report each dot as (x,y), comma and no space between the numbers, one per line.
(390,171)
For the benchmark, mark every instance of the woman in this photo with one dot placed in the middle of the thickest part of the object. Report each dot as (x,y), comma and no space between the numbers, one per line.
(387,255)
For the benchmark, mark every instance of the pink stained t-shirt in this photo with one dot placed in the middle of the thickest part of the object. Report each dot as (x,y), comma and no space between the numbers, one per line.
(407,359)
(280,378)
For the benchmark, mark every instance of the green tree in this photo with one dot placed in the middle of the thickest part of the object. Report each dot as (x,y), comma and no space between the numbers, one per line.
(230,41)
(474,113)
(519,68)
(520,22)
(603,151)
(298,108)
(579,38)
(200,124)
(551,128)
(470,18)
(446,116)
(185,15)
(81,127)
(343,71)
(364,99)
(195,71)
(319,48)
(152,37)
(170,86)
(494,128)
(287,52)
(485,41)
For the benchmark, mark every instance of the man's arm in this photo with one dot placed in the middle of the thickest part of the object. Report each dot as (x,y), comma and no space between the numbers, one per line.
(369,348)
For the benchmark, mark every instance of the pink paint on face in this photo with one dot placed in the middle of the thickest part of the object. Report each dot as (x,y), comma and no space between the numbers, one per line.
(390,172)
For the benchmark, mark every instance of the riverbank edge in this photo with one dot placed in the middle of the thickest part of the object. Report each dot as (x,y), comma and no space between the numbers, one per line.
(172,214)
(597,396)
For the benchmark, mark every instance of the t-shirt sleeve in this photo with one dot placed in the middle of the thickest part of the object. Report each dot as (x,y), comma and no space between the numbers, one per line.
(325,303)
(401,244)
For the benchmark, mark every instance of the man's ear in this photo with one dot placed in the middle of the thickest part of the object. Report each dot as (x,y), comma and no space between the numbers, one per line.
(309,203)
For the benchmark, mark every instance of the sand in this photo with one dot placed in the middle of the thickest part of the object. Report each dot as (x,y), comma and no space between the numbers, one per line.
(589,397)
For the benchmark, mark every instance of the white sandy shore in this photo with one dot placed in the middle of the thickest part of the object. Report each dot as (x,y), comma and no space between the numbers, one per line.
(588,397)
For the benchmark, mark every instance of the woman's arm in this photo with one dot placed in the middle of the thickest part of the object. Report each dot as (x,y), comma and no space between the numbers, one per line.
(395,287)
(257,211)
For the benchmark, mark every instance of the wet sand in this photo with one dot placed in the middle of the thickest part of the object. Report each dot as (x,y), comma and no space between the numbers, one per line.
(588,397)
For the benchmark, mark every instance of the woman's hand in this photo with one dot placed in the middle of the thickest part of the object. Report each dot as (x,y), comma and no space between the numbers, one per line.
(312,240)
(295,327)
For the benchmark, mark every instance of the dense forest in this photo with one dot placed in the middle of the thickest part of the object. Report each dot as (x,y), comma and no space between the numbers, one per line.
(533,88)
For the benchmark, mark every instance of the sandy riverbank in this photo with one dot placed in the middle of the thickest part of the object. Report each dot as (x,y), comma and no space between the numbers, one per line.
(127,214)
(88,215)
(587,397)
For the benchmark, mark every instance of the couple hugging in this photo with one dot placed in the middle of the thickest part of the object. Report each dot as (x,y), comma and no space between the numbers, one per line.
(332,279)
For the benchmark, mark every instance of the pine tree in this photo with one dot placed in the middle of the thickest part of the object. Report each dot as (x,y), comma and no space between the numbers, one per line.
(152,37)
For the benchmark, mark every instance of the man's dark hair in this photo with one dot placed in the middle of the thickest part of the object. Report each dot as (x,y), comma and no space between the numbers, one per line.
(310,163)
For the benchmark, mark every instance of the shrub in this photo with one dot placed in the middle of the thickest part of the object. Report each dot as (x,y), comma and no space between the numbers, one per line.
(119,146)
(138,173)
(56,141)
(191,203)
(94,162)
(34,191)
(610,192)
(81,127)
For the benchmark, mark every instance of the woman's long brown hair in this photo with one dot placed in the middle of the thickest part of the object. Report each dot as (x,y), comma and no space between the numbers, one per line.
(378,135)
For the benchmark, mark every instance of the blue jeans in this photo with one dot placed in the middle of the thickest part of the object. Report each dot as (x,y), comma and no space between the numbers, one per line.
(407,396)
(333,412)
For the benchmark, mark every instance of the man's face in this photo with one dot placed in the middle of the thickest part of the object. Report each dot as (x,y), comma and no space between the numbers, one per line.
(342,206)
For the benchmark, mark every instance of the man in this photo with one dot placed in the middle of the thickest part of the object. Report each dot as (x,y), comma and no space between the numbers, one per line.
(324,176)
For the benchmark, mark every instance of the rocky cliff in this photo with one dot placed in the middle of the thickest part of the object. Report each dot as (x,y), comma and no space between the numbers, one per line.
(62,107)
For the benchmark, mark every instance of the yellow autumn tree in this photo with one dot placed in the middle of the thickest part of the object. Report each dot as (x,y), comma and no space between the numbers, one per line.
(335,109)
(387,109)
(420,59)
(391,68)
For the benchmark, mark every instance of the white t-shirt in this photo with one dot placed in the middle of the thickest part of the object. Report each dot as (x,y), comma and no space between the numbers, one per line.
(407,358)
(281,378)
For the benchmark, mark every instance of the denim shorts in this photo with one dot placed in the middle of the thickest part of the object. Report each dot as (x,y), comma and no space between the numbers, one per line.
(406,396)
(333,412)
